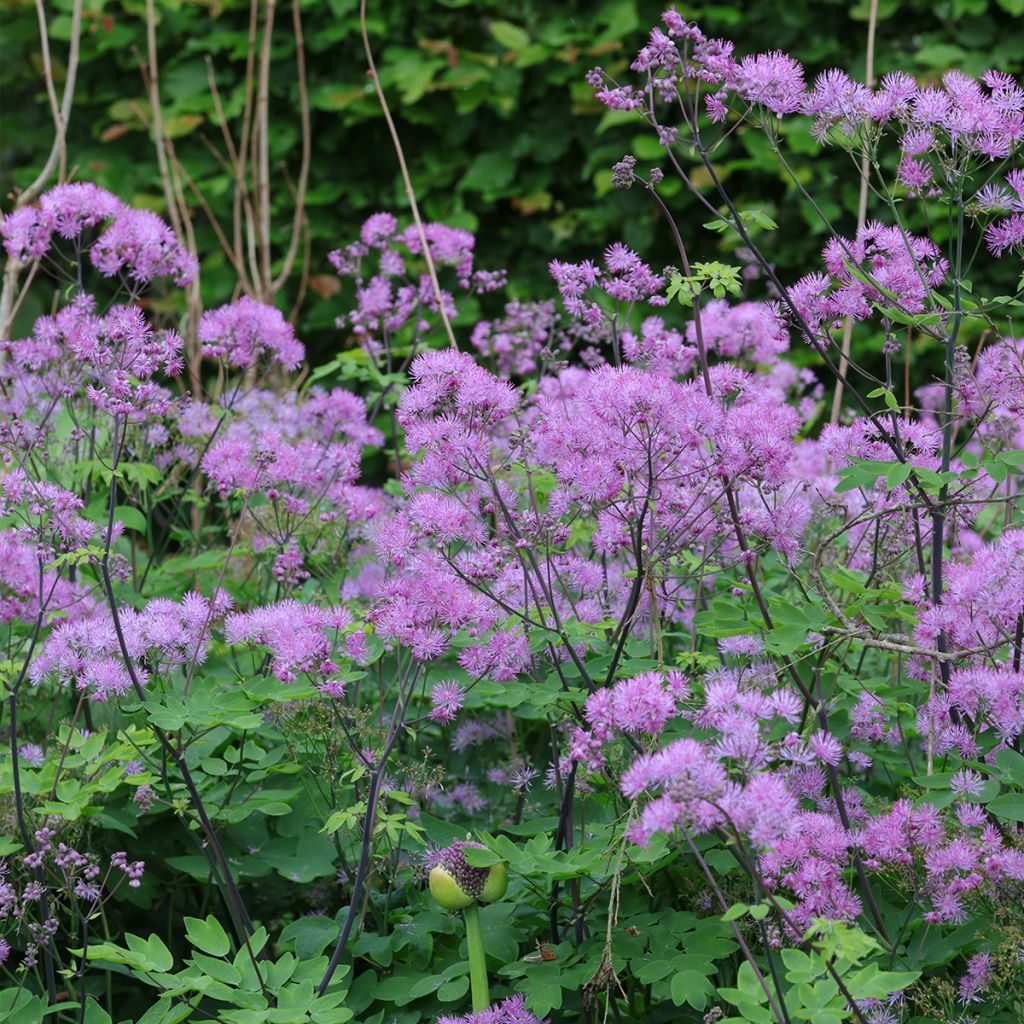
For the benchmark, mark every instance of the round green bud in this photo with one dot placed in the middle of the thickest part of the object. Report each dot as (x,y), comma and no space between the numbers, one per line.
(455,883)
(447,891)
(496,884)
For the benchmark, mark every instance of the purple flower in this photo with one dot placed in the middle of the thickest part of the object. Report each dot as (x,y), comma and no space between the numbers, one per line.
(244,331)
(976,978)
(509,1011)
(32,753)
(446,701)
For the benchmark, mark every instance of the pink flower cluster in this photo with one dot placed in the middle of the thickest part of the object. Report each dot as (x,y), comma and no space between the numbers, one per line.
(623,277)
(509,1011)
(136,243)
(303,640)
(26,588)
(881,267)
(86,653)
(245,331)
(399,292)
(110,359)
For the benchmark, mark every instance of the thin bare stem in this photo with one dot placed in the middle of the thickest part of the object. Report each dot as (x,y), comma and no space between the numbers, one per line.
(862,212)
(409,191)
(58,151)
(261,152)
(299,216)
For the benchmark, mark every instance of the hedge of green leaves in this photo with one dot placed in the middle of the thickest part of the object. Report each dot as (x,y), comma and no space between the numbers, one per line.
(491,105)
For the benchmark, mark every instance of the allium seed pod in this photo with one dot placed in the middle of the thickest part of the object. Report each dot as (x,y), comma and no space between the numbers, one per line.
(455,884)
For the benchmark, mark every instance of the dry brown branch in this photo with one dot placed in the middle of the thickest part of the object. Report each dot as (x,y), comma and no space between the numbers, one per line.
(862,211)
(307,150)
(261,154)
(57,158)
(406,179)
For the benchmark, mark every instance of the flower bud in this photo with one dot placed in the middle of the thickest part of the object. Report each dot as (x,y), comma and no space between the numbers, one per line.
(456,884)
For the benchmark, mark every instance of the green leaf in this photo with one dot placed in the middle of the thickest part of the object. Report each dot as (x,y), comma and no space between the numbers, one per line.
(488,173)
(897,474)
(801,967)
(691,987)
(736,911)
(872,983)
(510,36)
(1009,807)
(477,858)
(1011,765)
(132,518)
(94,1013)
(207,935)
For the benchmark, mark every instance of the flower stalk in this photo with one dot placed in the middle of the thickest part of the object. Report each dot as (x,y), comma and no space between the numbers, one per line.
(478,984)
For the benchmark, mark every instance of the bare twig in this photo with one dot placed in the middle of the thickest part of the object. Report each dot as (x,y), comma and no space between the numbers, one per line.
(261,153)
(58,151)
(407,180)
(862,211)
(299,216)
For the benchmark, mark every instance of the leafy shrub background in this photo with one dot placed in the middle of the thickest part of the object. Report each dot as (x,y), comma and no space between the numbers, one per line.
(502,132)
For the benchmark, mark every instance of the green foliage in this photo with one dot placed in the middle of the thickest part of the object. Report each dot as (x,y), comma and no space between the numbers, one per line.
(499,126)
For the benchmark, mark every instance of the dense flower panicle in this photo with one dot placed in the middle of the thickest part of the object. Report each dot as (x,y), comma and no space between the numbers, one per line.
(65,211)
(976,978)
(447,382)
(755,330)
(894,269)
(501,657)
(424,605)
(337,413)
(772,80)
(531,336)
(49,514)
(302,454)
(135,243)
(960,118)
(602,442)
(983,596)
(995,390)
(86,653)
(659,348)
(624,278)
(26,588)
(642,705)
(300,473)
(245,331)
(450,415)
(316,415)
(396,295)
(110,359)
(142,246)
(303,639)
(1007,232)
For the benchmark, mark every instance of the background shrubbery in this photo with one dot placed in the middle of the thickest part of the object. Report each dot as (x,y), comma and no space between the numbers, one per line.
(503,134)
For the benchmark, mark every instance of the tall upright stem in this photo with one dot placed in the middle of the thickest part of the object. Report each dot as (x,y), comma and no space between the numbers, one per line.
(862,212)
(479,989)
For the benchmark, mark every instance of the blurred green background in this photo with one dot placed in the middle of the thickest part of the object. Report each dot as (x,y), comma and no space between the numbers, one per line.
(502,133)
